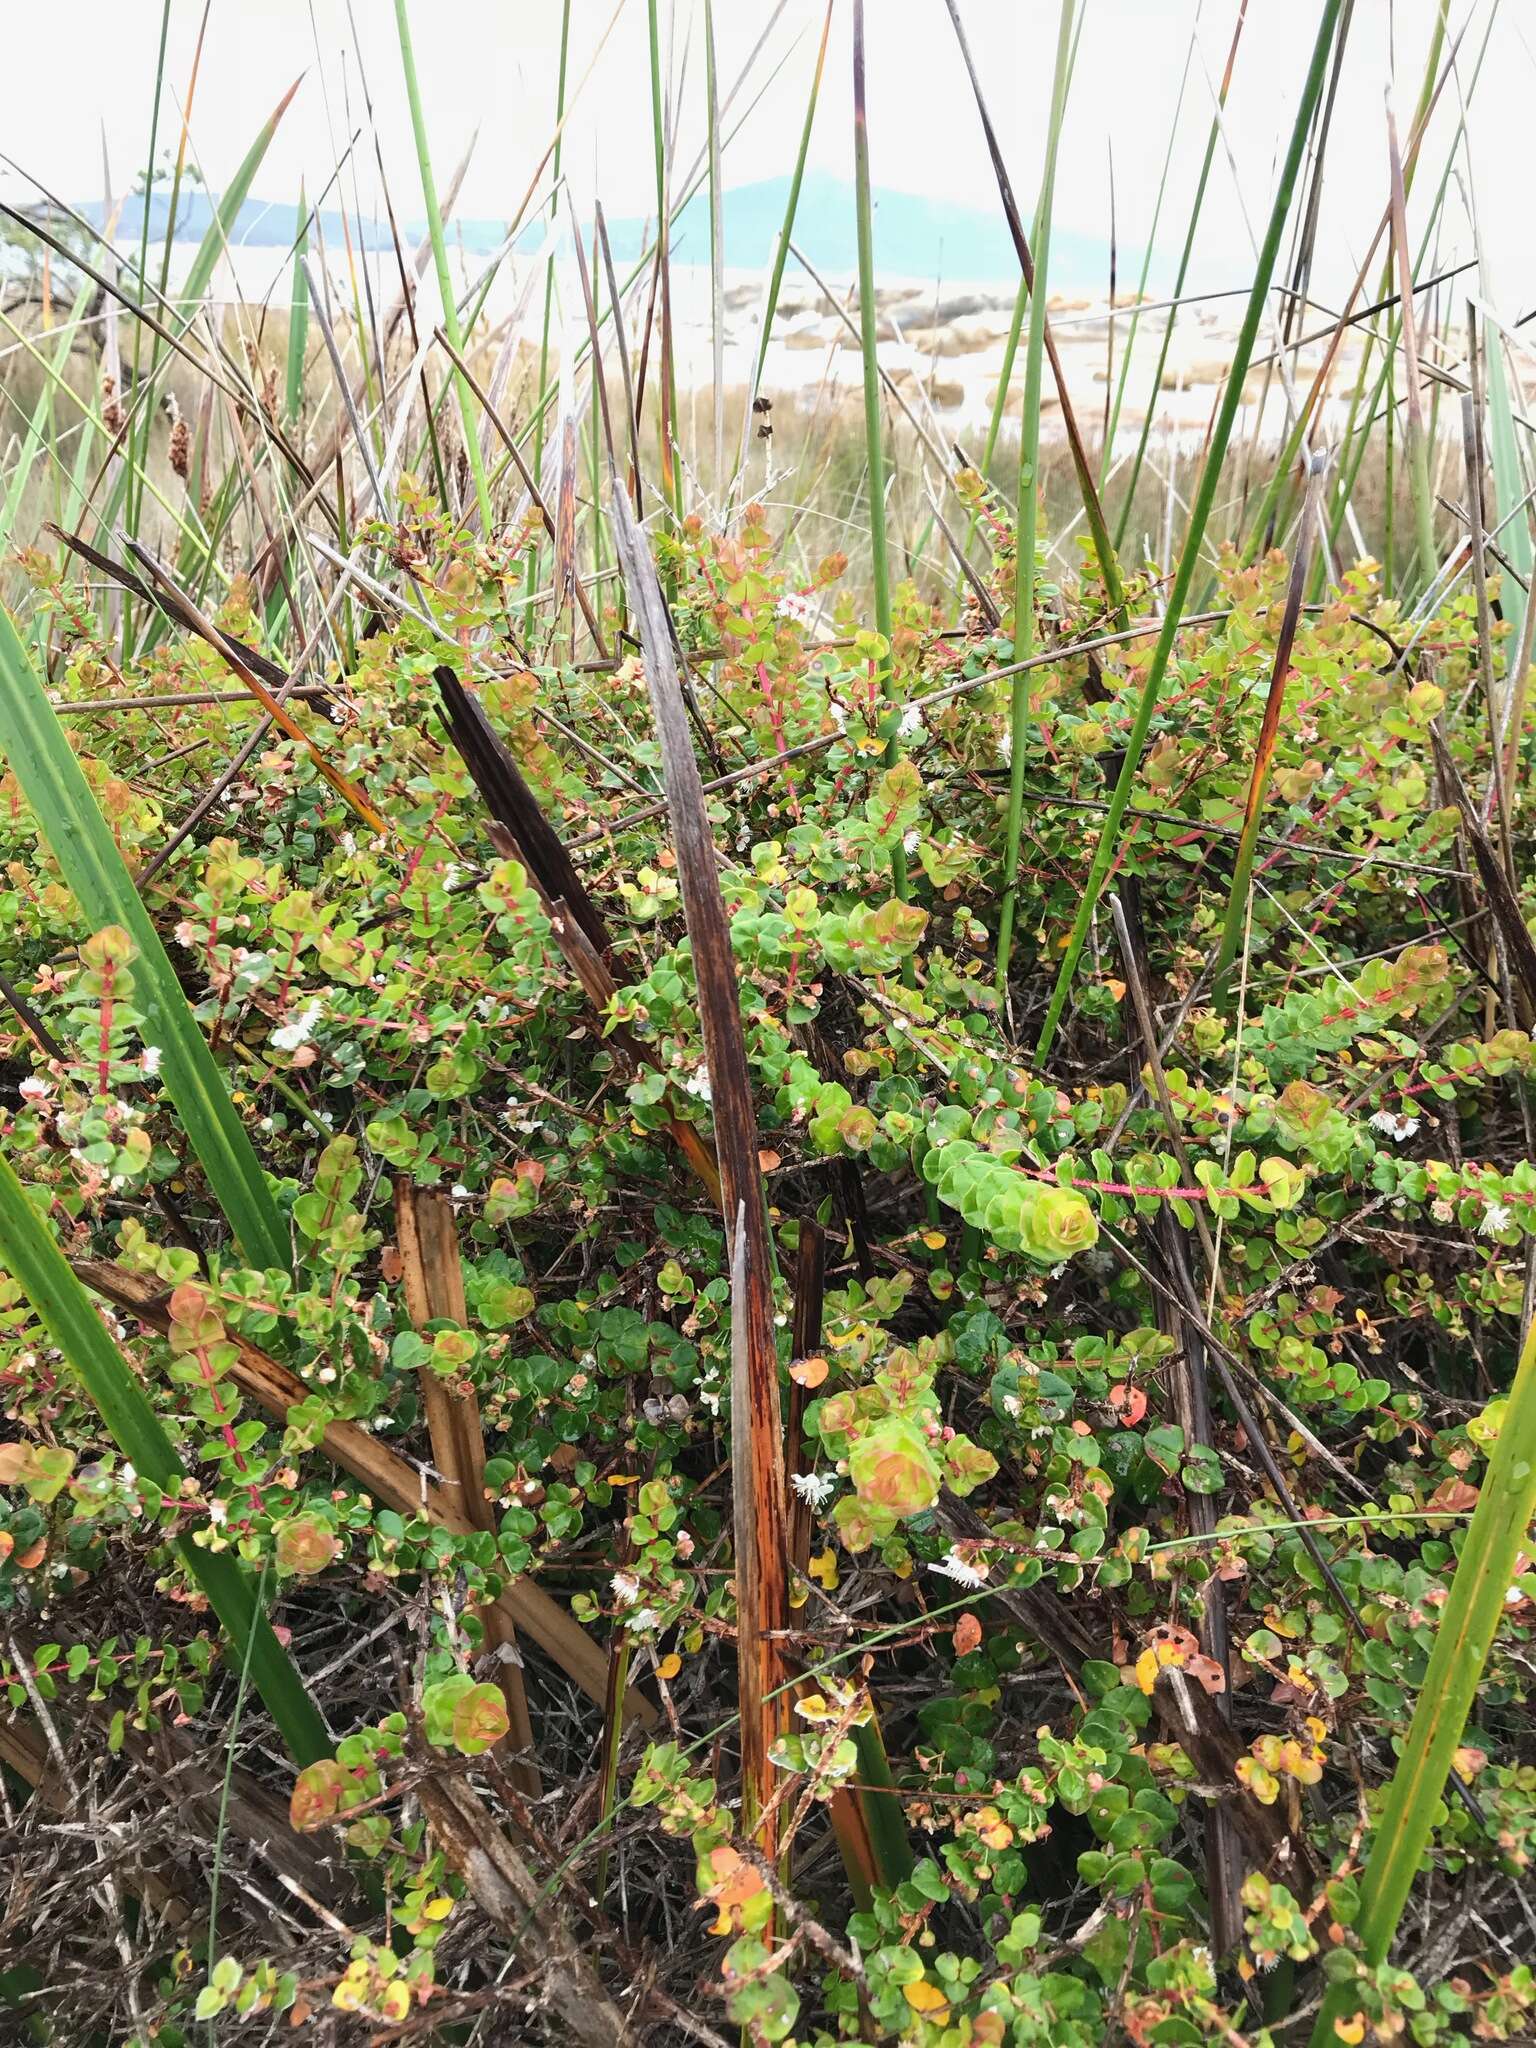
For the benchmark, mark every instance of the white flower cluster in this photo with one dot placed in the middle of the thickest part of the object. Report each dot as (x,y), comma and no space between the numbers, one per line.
(298,1030)
(1398,1128)
(816,1488)
(797,609)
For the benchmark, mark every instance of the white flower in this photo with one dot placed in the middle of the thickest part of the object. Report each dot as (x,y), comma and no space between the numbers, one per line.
(1496,1217)
(815,1487)
(1441,1210)
(911,841)
(348,844)
(1398,1128)
(839,713)
(1005,743)
(150,1059)
(911,721)
(698,1084)
(35,1089)
(644,1617)
(794,607)
(459,1192)
(961,1570)
(626,1588)
(289,1037)
(218,1513)
(451,874)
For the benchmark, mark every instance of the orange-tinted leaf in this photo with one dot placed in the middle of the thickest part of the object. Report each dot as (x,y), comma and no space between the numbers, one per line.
(479,1720)
(305,1545)
(967,1635)
(317,1795)
(1128,1405)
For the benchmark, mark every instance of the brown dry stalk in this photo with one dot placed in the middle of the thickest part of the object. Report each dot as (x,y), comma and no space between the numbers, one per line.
(390,1480)
(1509,920)
(514,1901)
(761,1520)
(433,1279)
(520,829)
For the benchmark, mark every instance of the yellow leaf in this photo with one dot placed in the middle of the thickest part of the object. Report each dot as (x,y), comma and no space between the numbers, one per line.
(438,1908)
(1352,2029)
(812,1707)
(925,1997)
(808,1372)
(670,1665)
(395,2002)
(823,1570)
(935,1240)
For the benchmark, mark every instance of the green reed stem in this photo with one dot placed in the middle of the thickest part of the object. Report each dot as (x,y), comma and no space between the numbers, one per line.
(451,326)
(1027,527)
(1210,477)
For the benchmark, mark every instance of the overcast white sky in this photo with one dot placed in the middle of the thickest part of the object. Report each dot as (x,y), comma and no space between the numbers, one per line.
(492,64)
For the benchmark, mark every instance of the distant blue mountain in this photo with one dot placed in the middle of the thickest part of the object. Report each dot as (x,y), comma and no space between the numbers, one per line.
(914,236)
(258,225)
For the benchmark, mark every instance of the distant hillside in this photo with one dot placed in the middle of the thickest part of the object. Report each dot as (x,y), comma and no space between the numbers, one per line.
(914,236)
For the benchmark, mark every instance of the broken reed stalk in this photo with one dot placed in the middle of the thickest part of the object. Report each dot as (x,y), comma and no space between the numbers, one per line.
(433,1279)
(518,1905)
(761,1520)
(385,1475)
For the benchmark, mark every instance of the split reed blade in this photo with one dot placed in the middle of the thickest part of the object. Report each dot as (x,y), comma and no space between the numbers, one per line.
(433,1279)
(761,1520)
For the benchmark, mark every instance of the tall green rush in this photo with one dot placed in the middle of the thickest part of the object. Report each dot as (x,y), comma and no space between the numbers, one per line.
(451,326)
(1469,1621)
(791,205)
(1029,504)
(298,317)
(1205,498)
(1177,293)
(64,1309)
(33,742)
(880,567)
